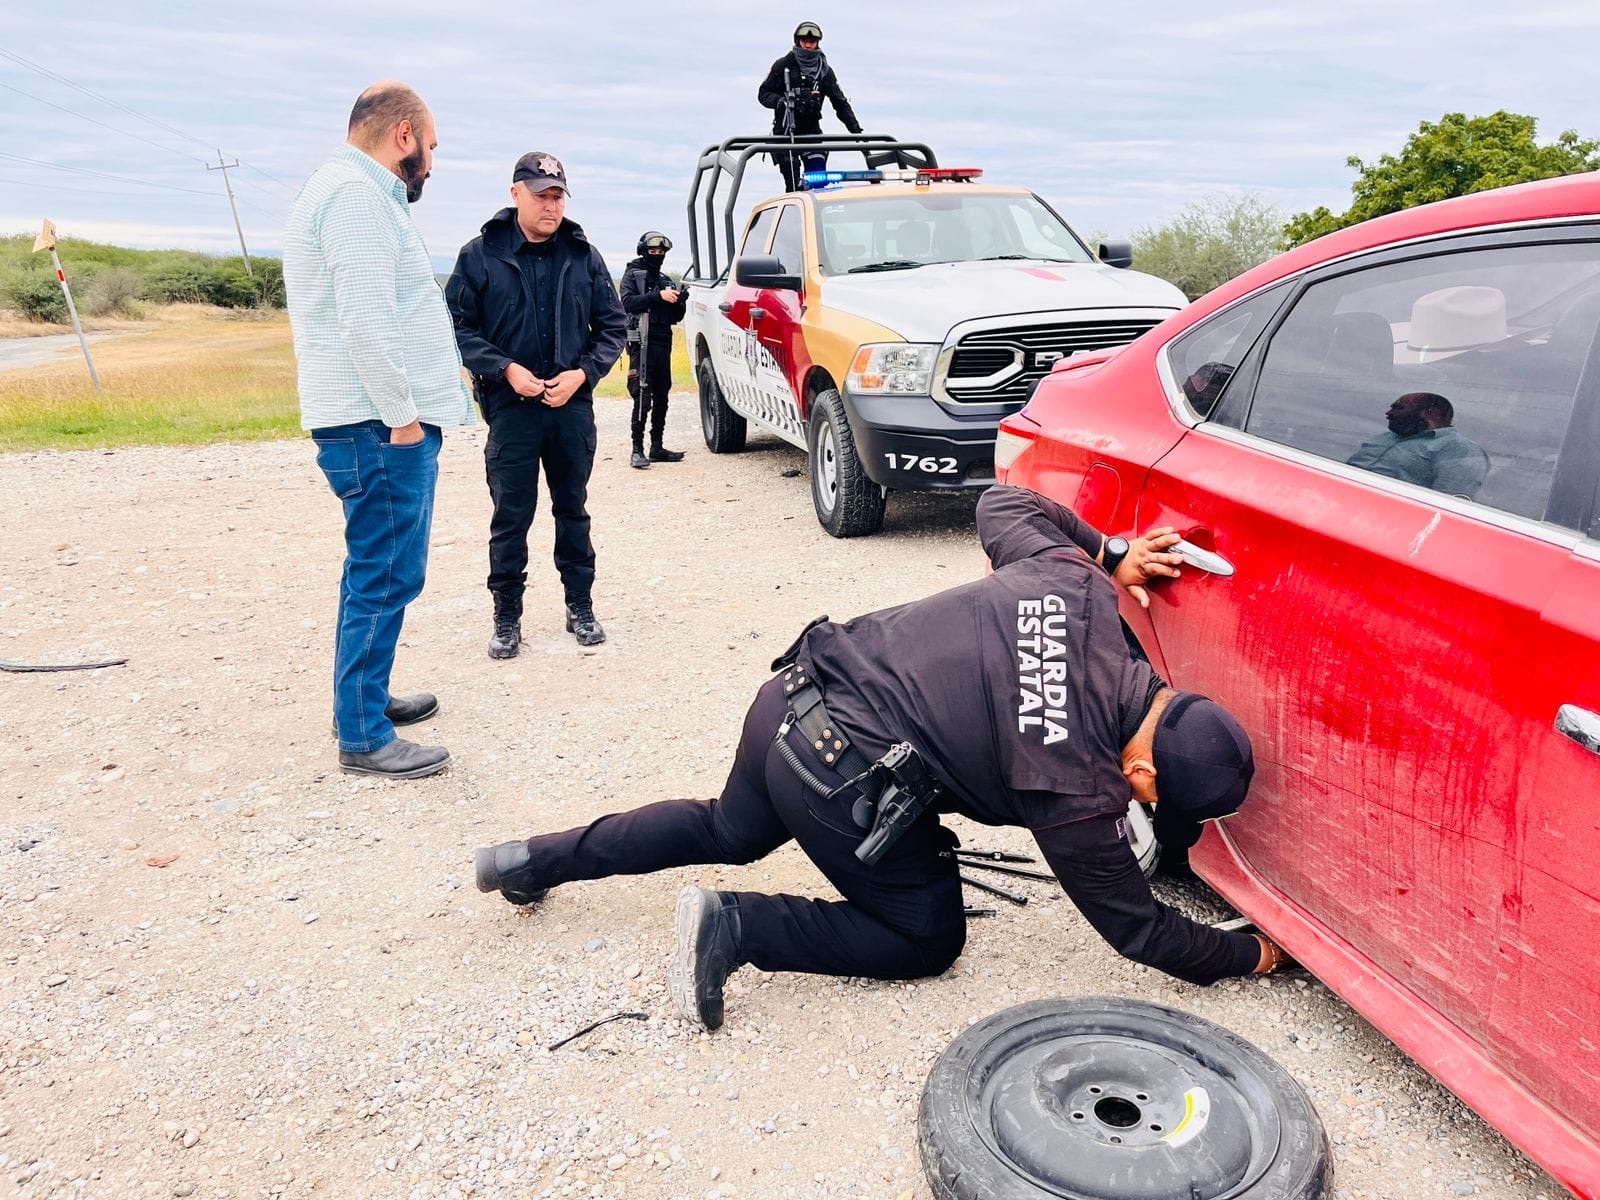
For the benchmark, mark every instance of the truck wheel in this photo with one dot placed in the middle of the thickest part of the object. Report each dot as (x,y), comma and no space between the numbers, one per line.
(848,504)
(723,428)
(1108,1099)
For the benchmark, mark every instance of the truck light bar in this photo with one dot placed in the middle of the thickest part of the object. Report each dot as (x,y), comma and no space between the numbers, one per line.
(929,174)
(821,179)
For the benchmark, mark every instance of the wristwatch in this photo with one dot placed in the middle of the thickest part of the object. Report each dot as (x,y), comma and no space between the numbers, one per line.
(1116,549)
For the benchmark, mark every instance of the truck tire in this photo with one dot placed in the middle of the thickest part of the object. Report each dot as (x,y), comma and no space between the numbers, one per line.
(1099,1098)
(723,428)
(848,503)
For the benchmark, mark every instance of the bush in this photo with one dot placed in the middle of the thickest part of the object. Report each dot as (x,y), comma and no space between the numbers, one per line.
(202,282)
(36,297)
(111,292)
(1210,242)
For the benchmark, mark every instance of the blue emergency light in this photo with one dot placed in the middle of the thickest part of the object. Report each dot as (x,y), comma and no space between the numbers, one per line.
(822,179)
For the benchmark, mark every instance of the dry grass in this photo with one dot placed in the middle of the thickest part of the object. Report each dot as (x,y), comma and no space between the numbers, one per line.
(195,377)
(191,375)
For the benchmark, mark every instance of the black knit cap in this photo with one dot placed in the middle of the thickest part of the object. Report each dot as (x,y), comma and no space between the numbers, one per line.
(1203,767)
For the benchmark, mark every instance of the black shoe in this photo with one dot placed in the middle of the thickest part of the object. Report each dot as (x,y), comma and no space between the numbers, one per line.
(400,759)
(503,868)
(639,461)
(507,638)
(659,453)
(707,953)
(582,625)
(406,710)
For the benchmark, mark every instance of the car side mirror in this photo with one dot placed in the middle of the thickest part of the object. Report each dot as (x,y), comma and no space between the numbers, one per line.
(1115,254)
(764,271)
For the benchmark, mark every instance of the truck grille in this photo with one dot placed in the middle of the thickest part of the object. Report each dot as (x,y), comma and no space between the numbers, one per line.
(1011,361)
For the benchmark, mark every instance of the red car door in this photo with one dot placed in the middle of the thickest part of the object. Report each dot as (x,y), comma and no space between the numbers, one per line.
(1397,636)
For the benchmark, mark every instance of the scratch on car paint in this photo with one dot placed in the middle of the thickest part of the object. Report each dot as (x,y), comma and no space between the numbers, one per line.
(1416,542)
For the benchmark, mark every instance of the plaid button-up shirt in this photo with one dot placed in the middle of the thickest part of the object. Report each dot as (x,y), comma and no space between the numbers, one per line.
(372,336)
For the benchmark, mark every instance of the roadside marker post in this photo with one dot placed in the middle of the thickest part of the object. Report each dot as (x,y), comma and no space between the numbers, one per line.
(47,241)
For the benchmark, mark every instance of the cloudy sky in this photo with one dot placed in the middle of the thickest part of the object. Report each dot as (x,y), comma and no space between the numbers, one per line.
(1117,114)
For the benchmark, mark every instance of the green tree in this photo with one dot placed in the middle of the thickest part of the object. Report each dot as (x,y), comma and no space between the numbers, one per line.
(1209,242)
(1453,157)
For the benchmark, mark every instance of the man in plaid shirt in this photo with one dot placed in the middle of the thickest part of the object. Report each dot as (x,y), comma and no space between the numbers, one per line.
(379,377)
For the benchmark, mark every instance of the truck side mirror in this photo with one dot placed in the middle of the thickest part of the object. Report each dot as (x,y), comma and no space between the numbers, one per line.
(764,271)
(1115,254)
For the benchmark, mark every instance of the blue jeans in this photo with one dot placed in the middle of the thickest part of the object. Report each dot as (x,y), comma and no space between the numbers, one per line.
(387,493)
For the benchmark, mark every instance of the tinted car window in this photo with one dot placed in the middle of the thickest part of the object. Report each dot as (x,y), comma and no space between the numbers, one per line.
(1456,372)
(755,241)
(1204,359)
(788,246)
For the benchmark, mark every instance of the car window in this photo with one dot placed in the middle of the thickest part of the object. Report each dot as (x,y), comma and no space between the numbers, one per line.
(1456,372)
(755,241)
(788,244)
(914,229)
(1204,359)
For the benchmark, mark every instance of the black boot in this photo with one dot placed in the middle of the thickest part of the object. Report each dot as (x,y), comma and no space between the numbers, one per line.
(707,953)
(639,461)
(582,625)
(659,453)
(507,626)
(504,869)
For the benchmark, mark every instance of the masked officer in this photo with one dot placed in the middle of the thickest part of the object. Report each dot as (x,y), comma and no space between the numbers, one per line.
(794,89)
(1019,696)
(539,324)
(654,304)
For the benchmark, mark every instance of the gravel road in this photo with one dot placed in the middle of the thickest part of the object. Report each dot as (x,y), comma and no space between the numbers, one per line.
(42,351)
(309,999)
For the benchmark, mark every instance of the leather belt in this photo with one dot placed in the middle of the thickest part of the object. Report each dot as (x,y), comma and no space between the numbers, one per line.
(831,744)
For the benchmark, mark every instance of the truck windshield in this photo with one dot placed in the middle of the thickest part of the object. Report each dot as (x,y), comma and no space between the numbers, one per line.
(939,226)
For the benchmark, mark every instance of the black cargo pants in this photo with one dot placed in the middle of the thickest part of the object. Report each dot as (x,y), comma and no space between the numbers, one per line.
(900,919)
(522,438)
(650,406)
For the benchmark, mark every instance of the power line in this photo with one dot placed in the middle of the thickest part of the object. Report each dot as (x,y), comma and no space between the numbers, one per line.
(30,65)
(171,187)
(92,120)
(132,112)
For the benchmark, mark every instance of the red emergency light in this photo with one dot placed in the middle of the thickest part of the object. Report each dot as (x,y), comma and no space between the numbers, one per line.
(939,174)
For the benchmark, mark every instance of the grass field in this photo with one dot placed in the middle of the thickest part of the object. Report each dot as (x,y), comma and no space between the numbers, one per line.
(192,376)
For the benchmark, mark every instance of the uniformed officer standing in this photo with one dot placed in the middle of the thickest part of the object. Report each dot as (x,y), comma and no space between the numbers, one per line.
(1020,696)
(539,324)
(794,89)
(654,304)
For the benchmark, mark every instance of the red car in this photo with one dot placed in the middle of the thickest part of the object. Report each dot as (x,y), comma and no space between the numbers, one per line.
(1389,443)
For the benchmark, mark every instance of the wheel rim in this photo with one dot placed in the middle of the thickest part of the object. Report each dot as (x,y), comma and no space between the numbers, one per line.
(1109,1105)
(826,467)
(1141,833)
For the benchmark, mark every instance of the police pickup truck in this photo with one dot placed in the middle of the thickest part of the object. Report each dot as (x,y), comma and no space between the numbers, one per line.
(885,319)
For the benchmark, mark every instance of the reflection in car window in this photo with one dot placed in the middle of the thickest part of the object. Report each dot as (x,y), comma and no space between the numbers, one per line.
(788,246)
(1205,358)
(1455,372)
(755,241)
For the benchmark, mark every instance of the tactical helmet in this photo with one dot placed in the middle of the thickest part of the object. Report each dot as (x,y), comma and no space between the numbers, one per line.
(809,29)
(651,240)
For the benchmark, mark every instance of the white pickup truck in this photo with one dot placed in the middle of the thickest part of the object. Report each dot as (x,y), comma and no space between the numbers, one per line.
(885,320)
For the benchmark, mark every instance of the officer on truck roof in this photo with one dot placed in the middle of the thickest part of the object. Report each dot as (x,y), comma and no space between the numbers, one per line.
(1019,704)
(794,89)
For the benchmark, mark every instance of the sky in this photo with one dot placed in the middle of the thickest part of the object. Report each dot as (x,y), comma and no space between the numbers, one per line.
(1118,115)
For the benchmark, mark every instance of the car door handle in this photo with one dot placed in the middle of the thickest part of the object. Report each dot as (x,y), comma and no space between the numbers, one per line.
(757,314)
(1579,724)
(725,307)
(1204,560)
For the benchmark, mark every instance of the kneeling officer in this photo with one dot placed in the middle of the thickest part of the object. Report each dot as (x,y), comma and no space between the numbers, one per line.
(1018,696)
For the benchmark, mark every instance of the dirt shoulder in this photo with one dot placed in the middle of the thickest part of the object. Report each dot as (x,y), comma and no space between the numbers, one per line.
(311,999)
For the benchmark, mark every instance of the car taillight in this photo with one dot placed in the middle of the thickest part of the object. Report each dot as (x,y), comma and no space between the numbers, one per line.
(1009,443)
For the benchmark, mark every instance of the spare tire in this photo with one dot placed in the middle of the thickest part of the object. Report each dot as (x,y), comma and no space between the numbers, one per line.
(1109,1099)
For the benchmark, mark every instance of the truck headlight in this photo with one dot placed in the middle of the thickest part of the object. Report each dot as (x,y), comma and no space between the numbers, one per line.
(893,367)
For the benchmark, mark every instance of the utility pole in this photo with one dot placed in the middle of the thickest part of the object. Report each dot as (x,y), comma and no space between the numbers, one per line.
(223,167)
